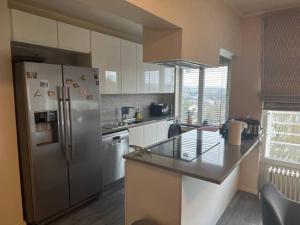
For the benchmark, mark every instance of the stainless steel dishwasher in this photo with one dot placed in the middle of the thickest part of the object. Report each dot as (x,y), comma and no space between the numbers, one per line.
(115,145)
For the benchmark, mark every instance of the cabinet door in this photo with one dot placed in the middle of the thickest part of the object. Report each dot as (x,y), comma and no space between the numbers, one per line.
(33,29)
(162,129)
(128,67)
(154,78)
(106,56)
(167,79)
(136,137)
(74,38)
(143,72)
(149,134)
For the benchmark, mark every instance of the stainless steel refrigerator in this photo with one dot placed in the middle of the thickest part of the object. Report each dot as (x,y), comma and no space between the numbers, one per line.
(59,137)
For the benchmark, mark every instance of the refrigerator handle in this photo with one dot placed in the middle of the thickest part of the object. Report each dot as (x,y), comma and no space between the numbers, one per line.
(69,119)
(60,97)
(66,123)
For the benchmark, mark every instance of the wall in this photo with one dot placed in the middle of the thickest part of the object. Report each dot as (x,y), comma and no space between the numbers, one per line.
(111,104)
(245,93)
(10,195)
(204,202)
(246,72)
(206,26)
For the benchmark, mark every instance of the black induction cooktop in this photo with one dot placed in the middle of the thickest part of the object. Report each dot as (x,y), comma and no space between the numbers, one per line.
(187,146)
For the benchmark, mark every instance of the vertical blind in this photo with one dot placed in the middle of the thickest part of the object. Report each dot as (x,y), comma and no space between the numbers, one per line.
(204,93)
(281,60)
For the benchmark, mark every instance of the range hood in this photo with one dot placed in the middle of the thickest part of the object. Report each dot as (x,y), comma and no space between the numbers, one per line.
(166,47)
(181,64)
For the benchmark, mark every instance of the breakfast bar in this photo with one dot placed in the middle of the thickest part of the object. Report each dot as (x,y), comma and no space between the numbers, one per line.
(186,180)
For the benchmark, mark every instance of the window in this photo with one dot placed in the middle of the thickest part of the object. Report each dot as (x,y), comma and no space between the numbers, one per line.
(215,95)
(204,93)
(283,136)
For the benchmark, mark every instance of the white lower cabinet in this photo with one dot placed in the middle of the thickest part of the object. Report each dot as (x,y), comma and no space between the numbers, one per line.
(149,134)
(136,137)
(162,129)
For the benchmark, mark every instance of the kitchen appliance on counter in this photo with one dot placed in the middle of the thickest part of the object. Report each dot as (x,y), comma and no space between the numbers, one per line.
(114,146)
(252,130)
(160,110)
(58,114)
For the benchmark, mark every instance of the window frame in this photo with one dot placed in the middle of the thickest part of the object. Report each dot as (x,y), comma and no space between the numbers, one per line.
(269,161)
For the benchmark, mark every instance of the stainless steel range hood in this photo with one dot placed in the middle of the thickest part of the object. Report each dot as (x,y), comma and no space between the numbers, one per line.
(181,64)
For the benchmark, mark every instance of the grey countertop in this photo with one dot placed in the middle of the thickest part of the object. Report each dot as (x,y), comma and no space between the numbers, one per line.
(213,164)
(108,129)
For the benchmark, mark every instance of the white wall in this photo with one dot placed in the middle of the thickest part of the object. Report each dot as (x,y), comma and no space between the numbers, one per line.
(10,195)
(203,203)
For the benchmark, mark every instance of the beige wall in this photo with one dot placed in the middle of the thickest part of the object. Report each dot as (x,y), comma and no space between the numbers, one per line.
(246,72)
(10,196)
(207,26)
(245,93)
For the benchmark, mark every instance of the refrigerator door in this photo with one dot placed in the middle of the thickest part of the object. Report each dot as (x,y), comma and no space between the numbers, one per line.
(84,132)
(46,155)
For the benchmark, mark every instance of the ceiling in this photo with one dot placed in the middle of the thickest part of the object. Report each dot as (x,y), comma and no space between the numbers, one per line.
(256,7)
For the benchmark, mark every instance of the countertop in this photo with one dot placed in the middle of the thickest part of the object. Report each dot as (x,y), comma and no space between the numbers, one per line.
(213,165)
(108,129)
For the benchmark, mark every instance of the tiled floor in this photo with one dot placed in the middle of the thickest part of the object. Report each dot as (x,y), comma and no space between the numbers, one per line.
(109,210)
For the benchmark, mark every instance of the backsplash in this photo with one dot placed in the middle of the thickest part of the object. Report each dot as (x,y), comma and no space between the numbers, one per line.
(111,104)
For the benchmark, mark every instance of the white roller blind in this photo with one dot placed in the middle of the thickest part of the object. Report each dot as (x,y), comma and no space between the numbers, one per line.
(281,60)
(204,93)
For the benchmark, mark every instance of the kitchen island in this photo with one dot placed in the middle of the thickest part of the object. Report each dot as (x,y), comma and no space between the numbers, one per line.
(186,180)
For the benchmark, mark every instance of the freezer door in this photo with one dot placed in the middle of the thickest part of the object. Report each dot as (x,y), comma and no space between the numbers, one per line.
(46,155)
(84,135)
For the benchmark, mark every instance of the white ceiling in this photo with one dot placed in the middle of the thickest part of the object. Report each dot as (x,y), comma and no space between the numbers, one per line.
(255,7)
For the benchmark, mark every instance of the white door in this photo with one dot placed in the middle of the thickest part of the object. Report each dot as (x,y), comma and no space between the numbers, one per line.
(33,29)
(106,56)
(143,73)
(149,134)
(167,79)
(74,38)
(128,67)
(136,137)
(162,129)
(154,78)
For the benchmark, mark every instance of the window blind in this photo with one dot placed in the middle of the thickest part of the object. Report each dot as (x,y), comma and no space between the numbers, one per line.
(204,93)
(281,60)
(215,95)
(187,93)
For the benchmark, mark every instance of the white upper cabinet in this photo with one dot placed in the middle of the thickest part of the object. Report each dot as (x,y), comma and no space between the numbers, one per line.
(74,38)
(154,86)
(167,79)
(143,73)
(33,29)
(128,67)
(106,56)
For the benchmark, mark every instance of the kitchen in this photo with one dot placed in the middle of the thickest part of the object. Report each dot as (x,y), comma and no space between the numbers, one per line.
(130,73)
